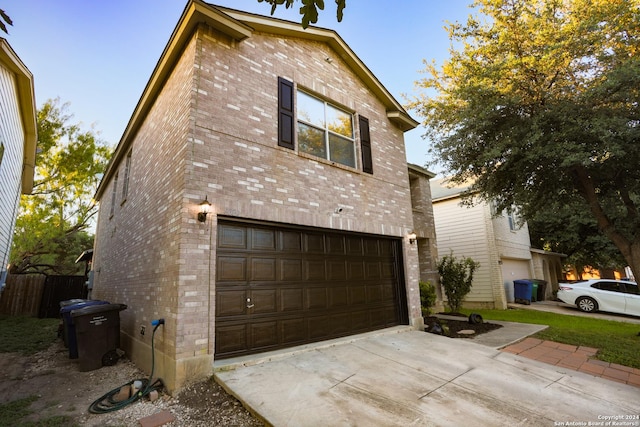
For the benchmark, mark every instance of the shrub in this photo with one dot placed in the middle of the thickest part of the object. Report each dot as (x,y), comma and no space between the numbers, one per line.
(456,277)
(427,297)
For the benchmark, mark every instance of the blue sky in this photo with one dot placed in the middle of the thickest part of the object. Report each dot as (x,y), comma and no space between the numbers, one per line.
(98,55)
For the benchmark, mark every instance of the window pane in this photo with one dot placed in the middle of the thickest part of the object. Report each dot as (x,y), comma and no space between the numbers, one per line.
(311,141)
(339,122)
(342,150)
(310,109)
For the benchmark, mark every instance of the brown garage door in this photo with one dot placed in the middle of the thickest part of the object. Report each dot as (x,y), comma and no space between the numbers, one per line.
(278,286)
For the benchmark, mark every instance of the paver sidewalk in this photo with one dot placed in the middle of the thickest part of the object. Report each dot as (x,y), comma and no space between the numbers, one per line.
(578,358)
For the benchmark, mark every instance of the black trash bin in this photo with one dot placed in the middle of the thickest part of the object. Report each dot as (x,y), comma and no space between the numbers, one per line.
(68,328)
(98,334)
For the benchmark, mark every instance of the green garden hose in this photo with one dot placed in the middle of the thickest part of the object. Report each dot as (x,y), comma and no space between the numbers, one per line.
(106,403)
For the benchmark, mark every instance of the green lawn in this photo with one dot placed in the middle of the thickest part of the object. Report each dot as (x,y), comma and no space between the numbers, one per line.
(617,342)
(27,335)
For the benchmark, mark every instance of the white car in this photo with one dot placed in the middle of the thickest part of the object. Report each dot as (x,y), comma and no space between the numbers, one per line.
(615,296)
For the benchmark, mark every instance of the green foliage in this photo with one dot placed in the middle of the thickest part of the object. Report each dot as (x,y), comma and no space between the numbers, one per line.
(27,335)
(567,227)
(309,9)
(428,297)
(53,222)
(617,342)
(539,102)
(4,17)
(456,277)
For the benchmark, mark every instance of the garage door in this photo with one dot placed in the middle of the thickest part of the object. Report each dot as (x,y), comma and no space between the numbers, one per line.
(278,287)
(513,269)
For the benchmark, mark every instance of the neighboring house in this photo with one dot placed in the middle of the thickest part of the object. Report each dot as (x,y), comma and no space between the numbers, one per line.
(500,243)
(17,143)
(297,152)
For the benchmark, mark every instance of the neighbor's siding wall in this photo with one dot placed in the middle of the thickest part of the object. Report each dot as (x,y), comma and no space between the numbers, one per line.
(468,232)
(12,137)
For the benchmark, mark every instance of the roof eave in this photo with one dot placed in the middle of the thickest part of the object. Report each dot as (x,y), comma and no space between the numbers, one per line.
(27,109)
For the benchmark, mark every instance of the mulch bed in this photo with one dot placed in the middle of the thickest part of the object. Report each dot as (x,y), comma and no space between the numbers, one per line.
(451,328)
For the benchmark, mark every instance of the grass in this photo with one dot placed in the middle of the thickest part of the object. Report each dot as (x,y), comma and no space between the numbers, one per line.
(617,342)
(27,335)
(12,414)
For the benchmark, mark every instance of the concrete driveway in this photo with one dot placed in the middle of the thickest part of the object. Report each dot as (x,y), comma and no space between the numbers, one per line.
(401,377)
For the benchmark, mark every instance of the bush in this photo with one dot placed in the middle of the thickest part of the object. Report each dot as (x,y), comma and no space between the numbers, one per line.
(456,277)
(427,297)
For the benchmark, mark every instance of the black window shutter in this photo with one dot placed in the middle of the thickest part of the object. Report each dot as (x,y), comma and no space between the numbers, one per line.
(365,145)
(286,125)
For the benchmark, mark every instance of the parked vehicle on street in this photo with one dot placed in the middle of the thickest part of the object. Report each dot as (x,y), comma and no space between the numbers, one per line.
(615,296)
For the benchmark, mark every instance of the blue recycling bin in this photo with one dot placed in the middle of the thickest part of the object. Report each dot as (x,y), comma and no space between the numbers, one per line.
(68,327)
(522,291)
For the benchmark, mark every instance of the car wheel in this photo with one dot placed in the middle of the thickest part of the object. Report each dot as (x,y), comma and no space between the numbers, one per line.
(586,304)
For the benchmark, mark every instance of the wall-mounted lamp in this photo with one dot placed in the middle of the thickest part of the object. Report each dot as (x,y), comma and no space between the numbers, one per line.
(412,237)
(204,209)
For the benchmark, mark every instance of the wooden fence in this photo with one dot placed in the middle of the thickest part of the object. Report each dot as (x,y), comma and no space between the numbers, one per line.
(36,295)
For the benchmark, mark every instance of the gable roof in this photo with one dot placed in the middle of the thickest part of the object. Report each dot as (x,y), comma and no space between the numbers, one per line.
(443,189)
(26,108)
(240,26)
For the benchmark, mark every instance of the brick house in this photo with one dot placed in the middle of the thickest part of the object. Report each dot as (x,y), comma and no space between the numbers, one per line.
(17,143)
(297,152)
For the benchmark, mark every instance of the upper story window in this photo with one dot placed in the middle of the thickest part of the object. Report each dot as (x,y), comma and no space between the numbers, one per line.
(114,193)
(320,128)
(325,130)
(127,172)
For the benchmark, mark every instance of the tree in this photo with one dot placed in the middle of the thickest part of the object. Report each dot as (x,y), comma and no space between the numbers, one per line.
(539,102)
(53,225)
(565,227)
(4,18)
(456,276)
(309,9)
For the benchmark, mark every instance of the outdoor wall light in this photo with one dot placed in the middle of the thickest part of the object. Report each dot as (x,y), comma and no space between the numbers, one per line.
(204,210)
(412,237)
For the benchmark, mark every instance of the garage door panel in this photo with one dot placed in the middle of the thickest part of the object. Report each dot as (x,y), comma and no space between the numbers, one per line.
(355,270)
(231,269)
(335,245)
(264,334)
(371,247)
(338,297)
(290,269)
(293,331)
(230,302)
(354,246)
(360,320)
(230,236)
(316,298)
(291,241)
(263,269)
(231,338)
(358,295)
(291,299)
(373,270)
(374,293)
(318,327)
(314,243)
(316,270)
(264,301)
(302,285)
(337,270)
